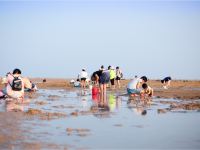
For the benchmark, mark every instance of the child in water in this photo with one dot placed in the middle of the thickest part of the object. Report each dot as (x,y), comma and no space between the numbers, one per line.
(146,90)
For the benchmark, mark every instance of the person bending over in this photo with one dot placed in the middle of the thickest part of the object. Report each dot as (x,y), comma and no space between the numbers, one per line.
(133,87)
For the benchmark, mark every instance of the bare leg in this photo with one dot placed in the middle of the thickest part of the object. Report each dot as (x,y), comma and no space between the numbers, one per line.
(84,84)
(104,89)
(168,84)
(81,83)
(164,85)
(101,94)
(101,89)
(96,80)
(118,83)
(114,86)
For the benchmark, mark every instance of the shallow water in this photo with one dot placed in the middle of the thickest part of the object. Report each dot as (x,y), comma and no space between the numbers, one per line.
(122,127)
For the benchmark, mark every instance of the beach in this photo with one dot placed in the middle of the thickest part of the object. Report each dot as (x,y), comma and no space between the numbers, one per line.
(57,116)
(180,89)
(51,49)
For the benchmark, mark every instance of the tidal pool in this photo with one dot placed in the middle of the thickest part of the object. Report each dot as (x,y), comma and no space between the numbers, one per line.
(118,124)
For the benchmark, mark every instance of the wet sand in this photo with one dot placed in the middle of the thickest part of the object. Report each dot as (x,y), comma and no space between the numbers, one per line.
(180,89)
(183,95)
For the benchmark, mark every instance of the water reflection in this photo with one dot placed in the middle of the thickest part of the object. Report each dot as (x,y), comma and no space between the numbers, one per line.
(12,106)
(84,100)
(16,105)
(139,106)
(104,104)
(100,107)
(114,102)
(95,98)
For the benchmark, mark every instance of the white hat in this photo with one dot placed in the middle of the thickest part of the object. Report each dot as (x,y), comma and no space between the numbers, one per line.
(112,67)
(72,81)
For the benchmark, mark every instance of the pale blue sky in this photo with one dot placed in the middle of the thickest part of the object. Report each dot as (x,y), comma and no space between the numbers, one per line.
(56,39)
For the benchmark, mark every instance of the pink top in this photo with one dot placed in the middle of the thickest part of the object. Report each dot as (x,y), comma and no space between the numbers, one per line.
(10,92)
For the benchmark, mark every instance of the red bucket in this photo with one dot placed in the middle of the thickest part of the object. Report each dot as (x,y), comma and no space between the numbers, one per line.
(95,98)
(95,90)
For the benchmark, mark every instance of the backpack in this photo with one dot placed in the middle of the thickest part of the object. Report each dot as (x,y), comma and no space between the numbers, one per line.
(121,74)
(16,84)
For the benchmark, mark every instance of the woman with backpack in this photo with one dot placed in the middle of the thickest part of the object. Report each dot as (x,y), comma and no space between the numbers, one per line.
(15,85)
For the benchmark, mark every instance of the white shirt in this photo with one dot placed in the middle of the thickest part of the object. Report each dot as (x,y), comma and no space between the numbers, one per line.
(133,83)
(83,74)
(118,73)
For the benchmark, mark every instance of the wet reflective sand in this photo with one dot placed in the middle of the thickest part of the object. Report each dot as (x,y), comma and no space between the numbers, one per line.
(72,119)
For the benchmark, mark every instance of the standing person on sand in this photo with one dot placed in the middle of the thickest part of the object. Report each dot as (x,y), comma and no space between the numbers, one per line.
(112,77)
(83,76)
(104,79)
(118,76)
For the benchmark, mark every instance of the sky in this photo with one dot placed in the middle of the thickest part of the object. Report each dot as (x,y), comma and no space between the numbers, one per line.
(58,38)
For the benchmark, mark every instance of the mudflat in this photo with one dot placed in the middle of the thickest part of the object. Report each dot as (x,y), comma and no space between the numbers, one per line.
(180,89)
(57,116)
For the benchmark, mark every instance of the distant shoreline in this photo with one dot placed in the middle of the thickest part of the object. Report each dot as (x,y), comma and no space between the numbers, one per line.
(153,79)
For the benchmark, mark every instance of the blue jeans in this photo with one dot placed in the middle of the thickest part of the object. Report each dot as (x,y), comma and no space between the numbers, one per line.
(133,91)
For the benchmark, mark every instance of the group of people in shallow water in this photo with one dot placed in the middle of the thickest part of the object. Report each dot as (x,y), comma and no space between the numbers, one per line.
(101,76)
(15,85)
(104,77)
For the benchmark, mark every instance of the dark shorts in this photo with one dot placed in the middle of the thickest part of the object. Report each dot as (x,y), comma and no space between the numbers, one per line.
(83,79)
(118,78)
(112,81)
(104,78)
